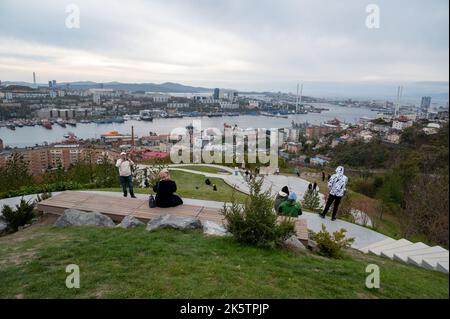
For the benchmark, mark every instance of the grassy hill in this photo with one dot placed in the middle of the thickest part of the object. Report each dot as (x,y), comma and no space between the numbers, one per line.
(117,263)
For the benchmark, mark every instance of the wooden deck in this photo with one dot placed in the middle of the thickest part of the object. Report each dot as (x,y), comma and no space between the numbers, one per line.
(119,207)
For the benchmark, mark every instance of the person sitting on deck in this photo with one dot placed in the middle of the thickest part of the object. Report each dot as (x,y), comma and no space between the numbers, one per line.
(281,197)
(291,207)
(165,190)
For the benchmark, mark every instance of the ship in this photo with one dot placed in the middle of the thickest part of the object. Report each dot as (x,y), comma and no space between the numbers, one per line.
(47,124)
(215,114)
(61,122)
(146,116)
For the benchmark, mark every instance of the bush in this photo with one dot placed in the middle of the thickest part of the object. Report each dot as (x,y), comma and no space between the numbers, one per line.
(254,222)
(311,200)
(331,245)
(22,215)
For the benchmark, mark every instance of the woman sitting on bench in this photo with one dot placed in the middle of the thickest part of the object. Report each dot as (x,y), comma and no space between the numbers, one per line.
(165,190)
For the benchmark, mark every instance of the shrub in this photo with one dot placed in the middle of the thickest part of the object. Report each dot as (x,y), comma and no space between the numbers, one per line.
(22,215)
(254,222)
(311,200)
(331,245)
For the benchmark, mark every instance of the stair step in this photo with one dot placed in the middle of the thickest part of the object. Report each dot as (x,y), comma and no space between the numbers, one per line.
(431,263)
(397,244)
(386,241)
(389,253)
(442,266)
(403,256)
(418,259)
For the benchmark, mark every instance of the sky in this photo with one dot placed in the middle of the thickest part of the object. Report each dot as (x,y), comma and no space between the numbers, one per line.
(241,44)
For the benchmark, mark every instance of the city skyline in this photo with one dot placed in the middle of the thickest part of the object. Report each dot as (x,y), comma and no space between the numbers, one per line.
(242,45)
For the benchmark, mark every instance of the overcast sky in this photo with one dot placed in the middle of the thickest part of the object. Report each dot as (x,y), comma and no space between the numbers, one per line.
(244,44)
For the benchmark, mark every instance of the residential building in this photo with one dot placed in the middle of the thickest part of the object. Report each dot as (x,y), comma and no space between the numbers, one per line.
(177,105)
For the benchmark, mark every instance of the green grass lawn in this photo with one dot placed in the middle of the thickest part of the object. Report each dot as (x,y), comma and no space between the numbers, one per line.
(193,186)
(117,263)
(205,169)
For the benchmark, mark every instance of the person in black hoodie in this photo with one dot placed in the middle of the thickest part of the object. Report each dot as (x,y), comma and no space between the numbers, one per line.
(165,190)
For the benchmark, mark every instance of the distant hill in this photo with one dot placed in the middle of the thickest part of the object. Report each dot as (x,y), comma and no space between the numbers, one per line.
(133,87)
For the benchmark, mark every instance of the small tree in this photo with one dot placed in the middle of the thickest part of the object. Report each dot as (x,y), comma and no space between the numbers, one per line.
(254,223)
(331,245)
(22,215)
(311,200)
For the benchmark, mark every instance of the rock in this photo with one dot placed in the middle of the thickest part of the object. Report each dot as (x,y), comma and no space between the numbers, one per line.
(361,218)
(214,229)
(74,217)
(294,244)
(312,245)
(3,227)
(130,222)
(175,222)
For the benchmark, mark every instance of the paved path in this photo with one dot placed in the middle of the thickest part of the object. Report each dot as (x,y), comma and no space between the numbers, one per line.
(363,236)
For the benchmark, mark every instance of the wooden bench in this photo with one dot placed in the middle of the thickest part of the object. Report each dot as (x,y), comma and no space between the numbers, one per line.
(119,207)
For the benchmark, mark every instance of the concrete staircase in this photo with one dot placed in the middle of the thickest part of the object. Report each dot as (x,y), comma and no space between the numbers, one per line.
(418,254)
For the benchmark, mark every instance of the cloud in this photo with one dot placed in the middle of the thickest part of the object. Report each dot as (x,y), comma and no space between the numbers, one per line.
(244,44)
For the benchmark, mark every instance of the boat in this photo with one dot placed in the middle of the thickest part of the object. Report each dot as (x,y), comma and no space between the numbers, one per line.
(118,119)
(11,126)
(146,116)
(215,114)
(72,122)
(47,124)
(61,122)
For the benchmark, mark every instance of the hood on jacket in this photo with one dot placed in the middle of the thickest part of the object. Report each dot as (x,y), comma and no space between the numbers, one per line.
(340,170)
(292,196)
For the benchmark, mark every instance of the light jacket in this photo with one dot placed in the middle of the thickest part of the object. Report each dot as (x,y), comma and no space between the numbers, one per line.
(338,183)
(124,167)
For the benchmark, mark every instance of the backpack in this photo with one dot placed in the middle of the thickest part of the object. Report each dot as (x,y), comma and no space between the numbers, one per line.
(152,200)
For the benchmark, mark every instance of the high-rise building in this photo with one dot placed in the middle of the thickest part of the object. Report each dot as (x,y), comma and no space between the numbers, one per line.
(50,84)
(54,84)
(34,80)
(425,104)
(216,94)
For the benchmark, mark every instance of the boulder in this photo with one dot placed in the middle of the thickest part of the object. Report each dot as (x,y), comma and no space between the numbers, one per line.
(174,222)
(312,245)
(74,217)
(130,222)
(214,229)
(294,244)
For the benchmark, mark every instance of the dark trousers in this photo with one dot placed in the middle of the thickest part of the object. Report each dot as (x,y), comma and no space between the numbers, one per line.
(127,181)
(331,199)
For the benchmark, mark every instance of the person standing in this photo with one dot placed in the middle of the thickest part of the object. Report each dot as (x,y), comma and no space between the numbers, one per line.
(125,166)
(323,176)
(337,186)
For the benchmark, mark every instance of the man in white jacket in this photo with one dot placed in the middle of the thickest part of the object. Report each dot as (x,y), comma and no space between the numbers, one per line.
(125,167)
(337,186)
